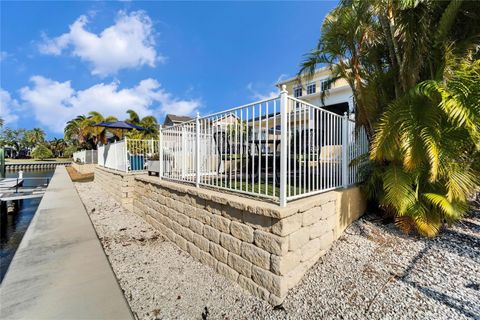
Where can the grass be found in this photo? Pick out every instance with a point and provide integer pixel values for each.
(257, 187)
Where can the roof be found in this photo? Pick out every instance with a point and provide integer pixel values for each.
(279, 83)
(175, 118)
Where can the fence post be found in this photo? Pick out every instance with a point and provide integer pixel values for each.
(283, 145)
(126, 155)
(115, 154)
(197, 150)
(160, 153)
(345, 150)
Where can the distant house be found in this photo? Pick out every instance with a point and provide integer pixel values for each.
(171, 120)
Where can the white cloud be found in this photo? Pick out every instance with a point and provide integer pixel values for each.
(4, 55)
(8, 107)
(261, 94)
(129, 43)
(53, 103)
(256, 94)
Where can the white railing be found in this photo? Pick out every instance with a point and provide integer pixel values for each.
(281, 148)
(113, 156)
(130, 155)
(85, 156)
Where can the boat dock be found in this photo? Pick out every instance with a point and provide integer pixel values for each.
(12, 189)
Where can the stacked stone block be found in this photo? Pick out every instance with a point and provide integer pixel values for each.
(120, 185)
(264, 248)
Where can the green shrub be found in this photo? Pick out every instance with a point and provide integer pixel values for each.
(41, 152)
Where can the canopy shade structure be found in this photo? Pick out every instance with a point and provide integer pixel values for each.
(120, 125)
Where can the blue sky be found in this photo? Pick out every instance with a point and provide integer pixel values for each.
(60, 59)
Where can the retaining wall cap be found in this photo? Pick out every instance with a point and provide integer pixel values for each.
(244, 203)
(116, 172)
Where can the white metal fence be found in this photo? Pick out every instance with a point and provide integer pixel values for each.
(85, 156)
(130, 155)
(281, 148)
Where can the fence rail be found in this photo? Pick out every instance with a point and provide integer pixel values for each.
(85, 156)
(281, 148)
(129, 155)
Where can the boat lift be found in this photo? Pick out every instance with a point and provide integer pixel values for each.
(12, 190)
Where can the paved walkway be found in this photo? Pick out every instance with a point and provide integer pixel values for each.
(60, 270)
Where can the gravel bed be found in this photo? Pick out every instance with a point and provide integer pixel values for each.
(371, 272)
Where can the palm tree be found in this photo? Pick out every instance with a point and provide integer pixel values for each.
(57, 146)
(77, 130)
(151, 125)
(34, 137)
(98, 134)
(133, 117)
(148, 122)
(413, 69)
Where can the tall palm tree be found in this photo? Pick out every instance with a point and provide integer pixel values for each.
(151, 125)
(148, 122)
(133, 117)
(413, 70)
(98, 134)
(77, 130)
(35, 136)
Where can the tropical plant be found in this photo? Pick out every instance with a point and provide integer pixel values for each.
(148, 122)
(41, 152)
(77, 130)
(57, 146)
(69, 151)
(34, 136)
(133, 117)
(98, 134)
(14, 138)
(413, 70)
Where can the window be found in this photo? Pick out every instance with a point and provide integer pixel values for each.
(326, 85)
(297, 92)
(311, 88)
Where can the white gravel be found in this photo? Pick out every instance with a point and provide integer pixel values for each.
(371, 272)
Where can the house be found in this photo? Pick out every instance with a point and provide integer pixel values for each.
(171, 120)
(338, 99)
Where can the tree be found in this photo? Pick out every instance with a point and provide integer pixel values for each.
(41, 152)
(76, 130)
(69, 151)
(133, 117)
(34, 137)
(57, 146)
(413, 70)
(14, 138)
(98, 134)
(151, 127)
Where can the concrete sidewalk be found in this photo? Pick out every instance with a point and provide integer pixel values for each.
(60, 270)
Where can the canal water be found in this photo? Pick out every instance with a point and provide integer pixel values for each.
(13, 226)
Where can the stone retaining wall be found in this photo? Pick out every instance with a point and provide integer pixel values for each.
(264, 248)
(84, 168)
(119, 184)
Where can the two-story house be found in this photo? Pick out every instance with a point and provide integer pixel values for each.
(338, 98)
